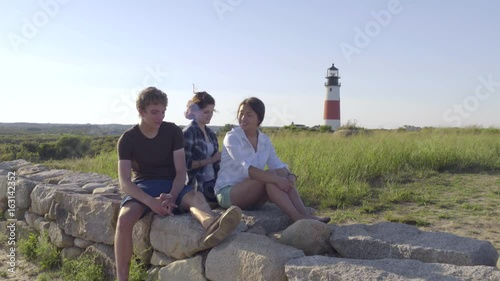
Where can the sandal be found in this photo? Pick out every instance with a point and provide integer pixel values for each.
(222, 226)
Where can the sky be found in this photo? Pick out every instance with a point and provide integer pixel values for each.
(401, 62)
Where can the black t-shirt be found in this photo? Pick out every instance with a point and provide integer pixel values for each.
(151, 158)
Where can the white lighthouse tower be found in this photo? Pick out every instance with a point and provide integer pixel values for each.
(332, 101)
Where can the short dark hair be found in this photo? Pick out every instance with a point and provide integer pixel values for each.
(199, 101)
(257, 105)
(150, 95)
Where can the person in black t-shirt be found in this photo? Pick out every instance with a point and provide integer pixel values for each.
(152, 172)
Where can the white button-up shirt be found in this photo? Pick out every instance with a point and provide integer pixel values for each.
(238, 155)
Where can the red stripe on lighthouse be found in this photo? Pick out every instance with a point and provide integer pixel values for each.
(332, 109)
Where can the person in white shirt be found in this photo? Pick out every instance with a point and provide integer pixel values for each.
(242, 180)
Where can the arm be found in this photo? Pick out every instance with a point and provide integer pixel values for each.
(188, 149)
(271, 176)
(189, 144)
(180, 173)
(243, 157)
(200, 163)
(277, 166)
(284, 172)
(130, 188)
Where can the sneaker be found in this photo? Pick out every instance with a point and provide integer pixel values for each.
(222, 227)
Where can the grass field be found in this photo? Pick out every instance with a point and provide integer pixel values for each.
(339, 172)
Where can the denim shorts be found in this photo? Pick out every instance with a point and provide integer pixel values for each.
(154, 188)
(224, 196)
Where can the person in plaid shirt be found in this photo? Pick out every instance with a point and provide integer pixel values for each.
(201, 146)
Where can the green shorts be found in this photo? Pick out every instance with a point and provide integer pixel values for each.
(224, 196)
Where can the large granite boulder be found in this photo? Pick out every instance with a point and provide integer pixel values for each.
(401, 241)
(91, 217)
(92, 186)
(82, 179)
(314, 268)
(30, 218)
(248, 256)
(31, 169)
(269, 217)
(14, 165)
(177, 236)
(47, 176)
(43, 195)
(105, 255)
(58, 237)
(184, 270)
(24, 187)
(4, 179)
(310, 236)
(184, 235)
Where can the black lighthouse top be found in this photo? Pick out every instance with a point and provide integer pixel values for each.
(332, 76)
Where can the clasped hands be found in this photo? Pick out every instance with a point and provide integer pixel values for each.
(287, 182)
(164, 205)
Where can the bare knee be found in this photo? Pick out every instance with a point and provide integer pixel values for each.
(126, 222)
(192, 199)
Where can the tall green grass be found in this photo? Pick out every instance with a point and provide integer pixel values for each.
(337, 172)
(105, 163)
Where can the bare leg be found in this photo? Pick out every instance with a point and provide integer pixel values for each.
(195, 202)
(129, 215)
(294, 196)
(282, 200)
(299, 205)
(248, 193)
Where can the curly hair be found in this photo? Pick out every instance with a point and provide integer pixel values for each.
(150, 95)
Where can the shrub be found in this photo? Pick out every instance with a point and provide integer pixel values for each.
(85, 268)
(29, 247)
(38, 248)
(137, 270)
(47, 254)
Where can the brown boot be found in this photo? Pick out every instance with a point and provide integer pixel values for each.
(222, 227)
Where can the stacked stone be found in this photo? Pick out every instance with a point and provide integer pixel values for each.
(78, 211)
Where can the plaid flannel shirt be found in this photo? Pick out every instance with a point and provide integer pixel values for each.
(196, 149)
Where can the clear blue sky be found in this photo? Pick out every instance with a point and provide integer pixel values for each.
(422, 63)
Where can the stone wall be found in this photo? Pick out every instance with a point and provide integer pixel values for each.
(79, 212)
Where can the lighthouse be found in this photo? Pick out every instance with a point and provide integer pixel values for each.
(332, 101)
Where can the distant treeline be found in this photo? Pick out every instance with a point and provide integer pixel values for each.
(36, 148)
(67, 129)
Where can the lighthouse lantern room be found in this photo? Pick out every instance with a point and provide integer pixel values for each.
(332, 101)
